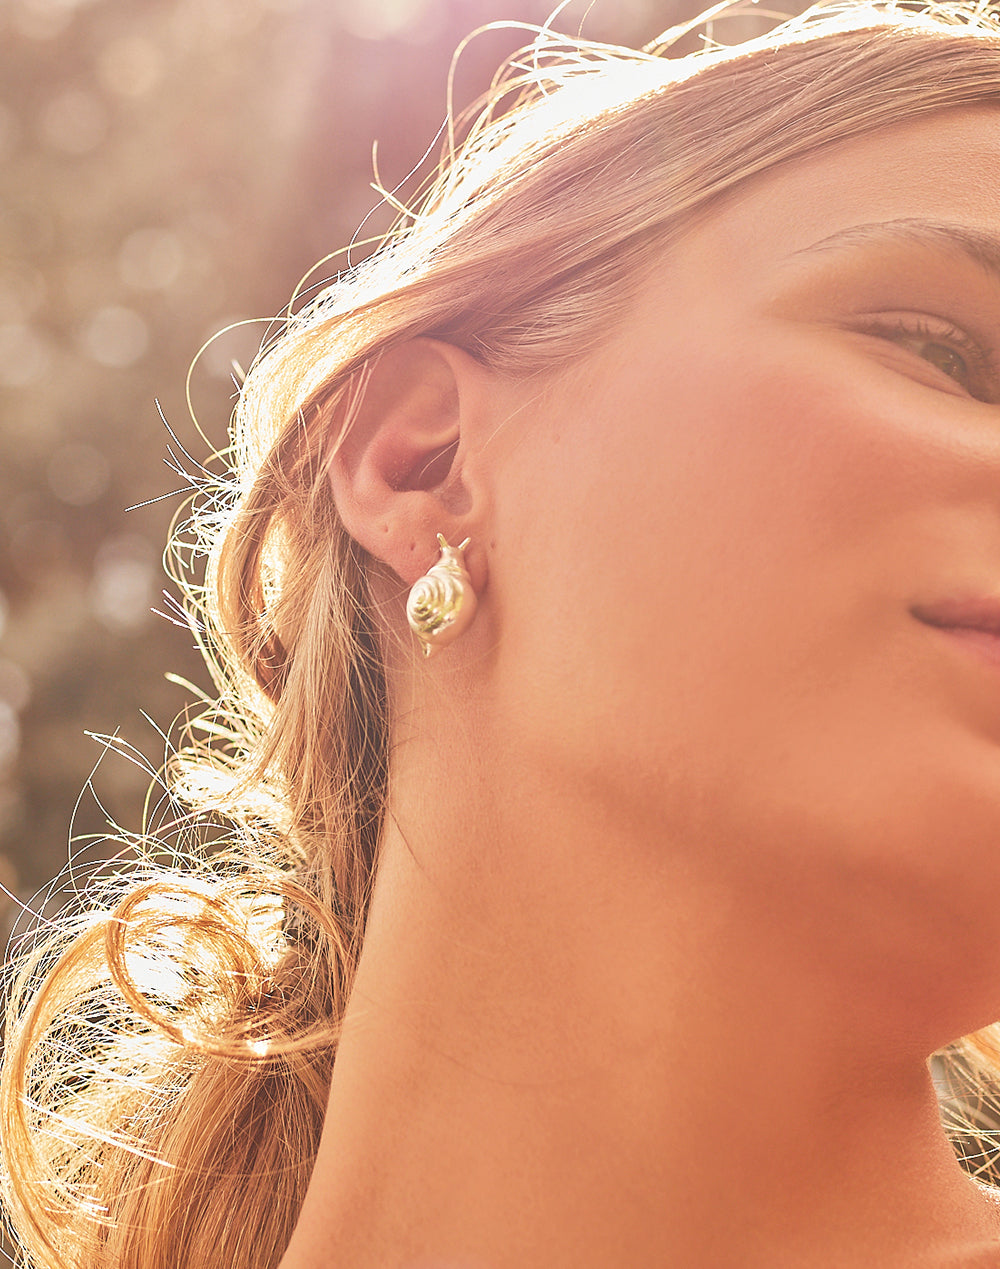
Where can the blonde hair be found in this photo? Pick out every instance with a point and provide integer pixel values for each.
(170, 1044)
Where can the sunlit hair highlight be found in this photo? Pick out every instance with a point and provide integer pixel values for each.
(170, 1044)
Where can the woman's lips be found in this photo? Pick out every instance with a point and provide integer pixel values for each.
(975, 621)
(981, 614)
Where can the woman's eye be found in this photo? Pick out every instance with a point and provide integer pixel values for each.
(944, 346)
(946, 359)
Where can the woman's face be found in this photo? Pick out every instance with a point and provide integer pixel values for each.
(736, 549)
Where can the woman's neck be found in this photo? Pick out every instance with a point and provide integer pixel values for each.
(543, 1067)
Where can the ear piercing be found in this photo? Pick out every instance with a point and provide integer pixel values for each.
(442, 603)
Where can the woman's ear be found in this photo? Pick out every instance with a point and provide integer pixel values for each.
(399, 472)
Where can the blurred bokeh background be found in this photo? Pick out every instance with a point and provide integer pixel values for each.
(169, 167)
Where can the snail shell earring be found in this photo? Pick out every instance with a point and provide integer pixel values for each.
(442, 602)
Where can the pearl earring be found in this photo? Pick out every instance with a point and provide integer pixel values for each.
(442, 602)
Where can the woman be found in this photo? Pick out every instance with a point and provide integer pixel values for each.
(635, 911)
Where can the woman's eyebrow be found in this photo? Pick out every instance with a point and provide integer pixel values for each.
(977, 245)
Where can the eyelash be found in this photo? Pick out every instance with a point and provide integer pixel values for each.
(981, 363)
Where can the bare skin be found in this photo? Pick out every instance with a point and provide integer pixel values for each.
(693, 850)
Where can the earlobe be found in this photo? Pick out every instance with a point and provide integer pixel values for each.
(397, 472)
